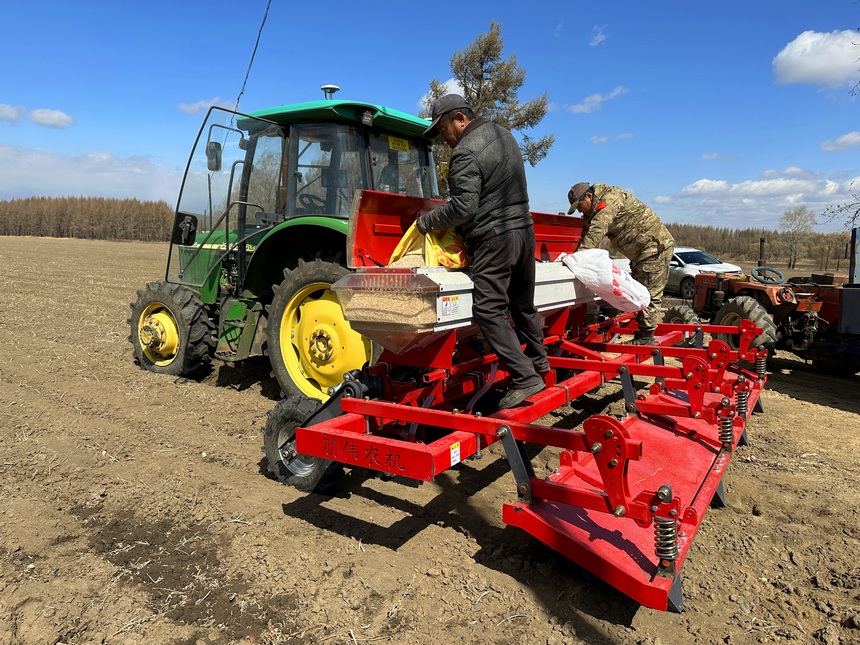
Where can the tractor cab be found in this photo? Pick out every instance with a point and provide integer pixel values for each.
(248, 174)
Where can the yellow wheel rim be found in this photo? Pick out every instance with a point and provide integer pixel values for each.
(158, 334)
(318, 346)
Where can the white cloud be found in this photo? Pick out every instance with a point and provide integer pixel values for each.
(598, 36)
(841, 174)
(710, 156)
(801, 173)
(845, 142)
(596, 101)
(753, 188)
(705, 187)
(754, 203)
(205, 104)
(792, 171)
(451, 86)
(41, 116)
(11, 113)
(27, 172)
(815, 58)
(52, 118)
(600, 138)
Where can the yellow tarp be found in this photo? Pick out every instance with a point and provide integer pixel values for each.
(439, 248)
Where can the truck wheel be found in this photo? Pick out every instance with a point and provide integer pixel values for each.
(687, 288)
(742, 307)
(171, 332)
(310, 344)
(682, 315)
(309, 474)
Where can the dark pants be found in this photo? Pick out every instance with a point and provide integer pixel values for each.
(503, 270)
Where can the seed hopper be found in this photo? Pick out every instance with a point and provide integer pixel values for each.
(630, 490)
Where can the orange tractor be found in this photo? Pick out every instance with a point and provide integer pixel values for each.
(808, 316)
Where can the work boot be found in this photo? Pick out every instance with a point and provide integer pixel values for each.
(517, 395)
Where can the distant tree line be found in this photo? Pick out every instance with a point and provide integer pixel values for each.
(87, 217)
(827, 251)
(131, 219)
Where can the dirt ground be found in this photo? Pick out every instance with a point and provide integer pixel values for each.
(134, 507)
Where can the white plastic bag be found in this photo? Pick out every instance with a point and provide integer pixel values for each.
(594, 268)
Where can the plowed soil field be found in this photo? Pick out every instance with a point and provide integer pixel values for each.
(135, 508)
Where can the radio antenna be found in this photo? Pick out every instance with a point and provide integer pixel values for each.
(254, 53)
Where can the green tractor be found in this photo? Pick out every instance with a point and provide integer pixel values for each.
(259, 236)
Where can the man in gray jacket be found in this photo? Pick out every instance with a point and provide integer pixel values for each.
(489, 207)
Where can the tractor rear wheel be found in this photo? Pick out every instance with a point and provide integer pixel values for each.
(682, 315)
(171, 332)
(310, 344)
(735, 310)
(306, 473)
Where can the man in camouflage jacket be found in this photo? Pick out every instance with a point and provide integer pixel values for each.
(637, 232)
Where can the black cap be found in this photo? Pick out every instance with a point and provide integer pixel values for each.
(576, 193)
(442, 106)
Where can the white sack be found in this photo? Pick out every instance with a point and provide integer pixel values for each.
(594, 268)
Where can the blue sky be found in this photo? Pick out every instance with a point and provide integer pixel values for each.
(717, 113)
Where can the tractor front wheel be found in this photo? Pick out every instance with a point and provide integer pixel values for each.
(306, 473)
(735, 310)
(171, 332)
(310, 343)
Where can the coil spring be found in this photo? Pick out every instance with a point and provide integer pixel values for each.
(742, 401)
(761, 365)
(666, 538)
(727, 429)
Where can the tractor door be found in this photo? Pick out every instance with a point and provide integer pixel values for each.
(330, 165)
(232, 193)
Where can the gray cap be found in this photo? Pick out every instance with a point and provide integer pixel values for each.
(576, 193)
(442, 106)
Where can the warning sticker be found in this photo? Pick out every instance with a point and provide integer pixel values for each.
(401, 145)
(455, 453)
(450, 305)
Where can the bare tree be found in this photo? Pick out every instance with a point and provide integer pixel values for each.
(490, 85)
(797, 225)
(847, 212)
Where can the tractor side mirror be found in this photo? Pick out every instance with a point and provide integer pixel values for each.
(184, 229)
(213, 156)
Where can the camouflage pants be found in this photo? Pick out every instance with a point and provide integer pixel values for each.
(652, 272)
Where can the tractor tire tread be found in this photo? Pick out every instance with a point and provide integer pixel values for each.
(750, 308)
(194, 325)
(316, 475)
